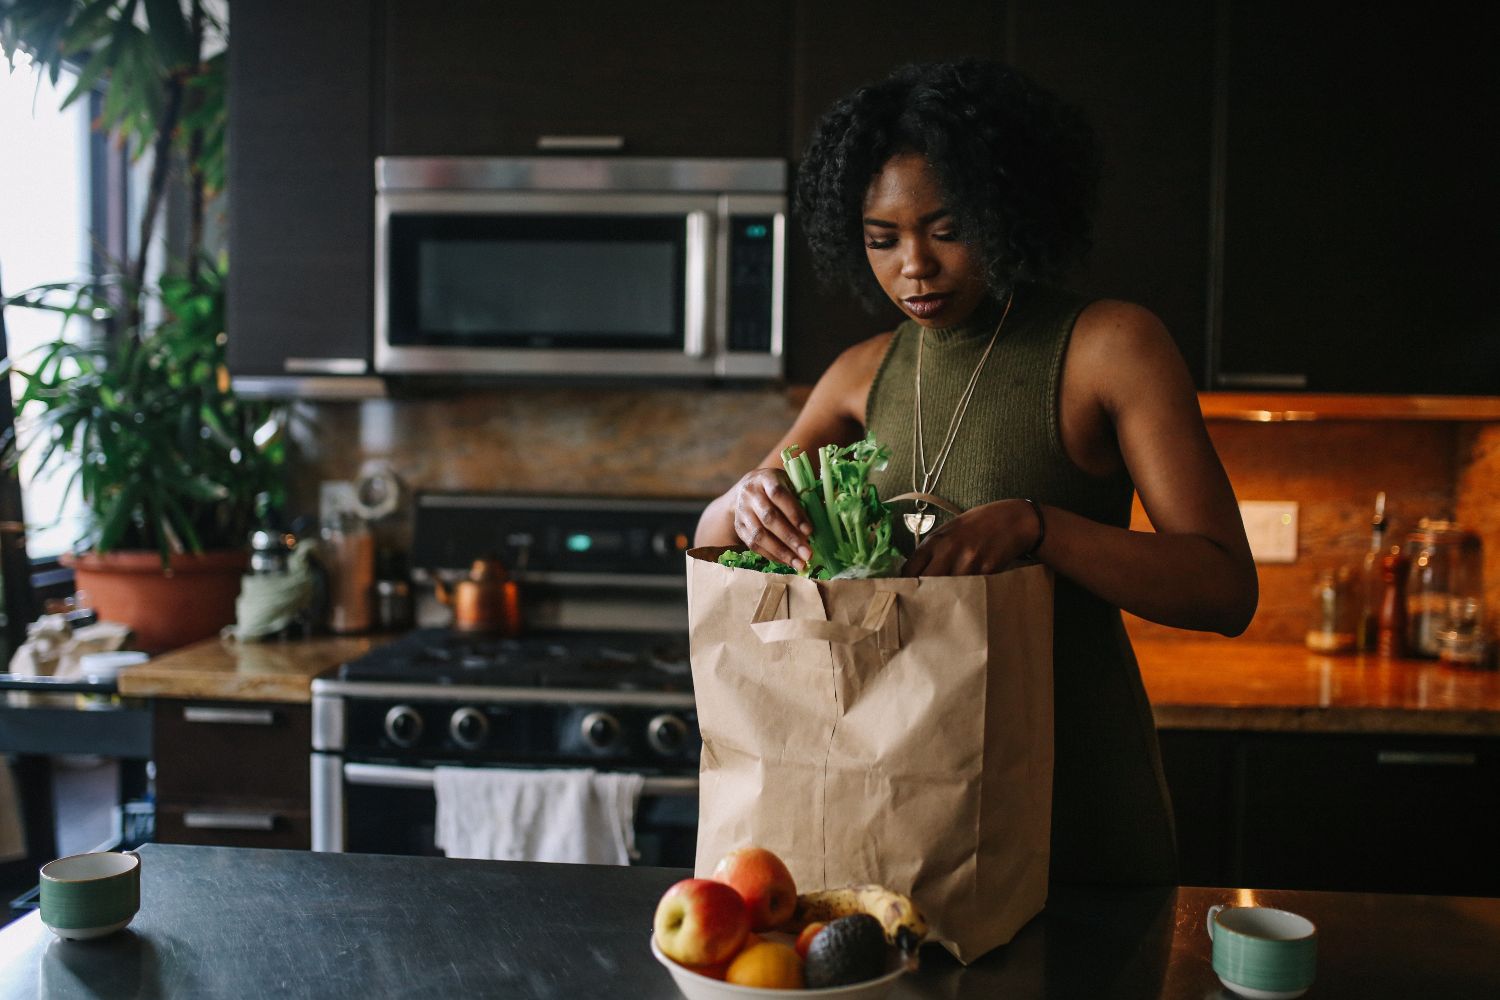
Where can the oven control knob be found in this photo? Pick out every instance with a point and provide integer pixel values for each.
(469, 727)
(600, 730)
(403, 725)
(666, 734)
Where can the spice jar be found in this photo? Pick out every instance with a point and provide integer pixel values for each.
(1333, 625)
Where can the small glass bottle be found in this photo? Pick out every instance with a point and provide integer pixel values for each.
(350, 548)
(1371, 581)
(1332, 627)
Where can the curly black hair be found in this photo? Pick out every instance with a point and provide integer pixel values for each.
(1019, 169)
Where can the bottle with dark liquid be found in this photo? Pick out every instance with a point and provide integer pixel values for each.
(1390, 632)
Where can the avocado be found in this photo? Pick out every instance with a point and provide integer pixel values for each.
(849, 950)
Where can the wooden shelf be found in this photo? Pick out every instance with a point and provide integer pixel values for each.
(1260, 407)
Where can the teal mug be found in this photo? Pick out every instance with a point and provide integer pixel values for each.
(1261, 953)
(90, 895)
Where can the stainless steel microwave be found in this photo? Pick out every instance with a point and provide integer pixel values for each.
(581, 266)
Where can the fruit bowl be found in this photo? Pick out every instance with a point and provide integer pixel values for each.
(699, 987)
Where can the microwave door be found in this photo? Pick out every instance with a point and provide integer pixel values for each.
(557, 285)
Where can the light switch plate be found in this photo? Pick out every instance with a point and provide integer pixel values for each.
(1271, 526)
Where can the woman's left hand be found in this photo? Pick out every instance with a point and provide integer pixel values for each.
(983, 540)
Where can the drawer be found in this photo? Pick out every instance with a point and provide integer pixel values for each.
(240, 750)
(238, 825)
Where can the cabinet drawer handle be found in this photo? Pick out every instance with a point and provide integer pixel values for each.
(230, 716)
(229, 821)
(325, 366)
(1426, 758)
(1258, 380)
(580, 143)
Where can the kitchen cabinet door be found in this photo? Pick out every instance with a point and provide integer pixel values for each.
(1369, 814)
(1142, 75)
(680, 78)
(235, 774)
(1199, 768)
(301, 179)
(1359, 220)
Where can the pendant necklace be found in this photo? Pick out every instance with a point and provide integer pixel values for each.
(920, 521)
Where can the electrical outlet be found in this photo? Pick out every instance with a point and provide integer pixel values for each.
(1271, 526)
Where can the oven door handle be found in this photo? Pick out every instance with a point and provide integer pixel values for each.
(393, 776)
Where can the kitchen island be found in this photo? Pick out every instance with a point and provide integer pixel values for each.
(226, 922)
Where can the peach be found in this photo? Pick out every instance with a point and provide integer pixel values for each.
(769, 964)
(700, 922)
(764, 882)
(804, 940)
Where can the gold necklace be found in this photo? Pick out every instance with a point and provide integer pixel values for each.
(920, 522)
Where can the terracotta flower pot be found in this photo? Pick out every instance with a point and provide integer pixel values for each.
(165, 609)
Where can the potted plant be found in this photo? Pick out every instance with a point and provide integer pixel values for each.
(173, 467)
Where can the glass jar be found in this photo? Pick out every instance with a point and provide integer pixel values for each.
(1334, 622)
(1445, 585)
(349, 546)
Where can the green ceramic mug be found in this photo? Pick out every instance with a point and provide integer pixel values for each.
(1262, 953)
(90, 895)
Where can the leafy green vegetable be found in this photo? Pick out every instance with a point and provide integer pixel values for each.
(852, 529)
(752, 560)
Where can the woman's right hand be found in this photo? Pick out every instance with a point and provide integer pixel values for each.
(769, 519)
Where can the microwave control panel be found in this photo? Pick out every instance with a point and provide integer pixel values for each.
(752, 259)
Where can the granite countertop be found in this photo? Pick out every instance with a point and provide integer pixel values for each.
(233, 922)
(226, 670)
(1208, 683)
(1281, 687)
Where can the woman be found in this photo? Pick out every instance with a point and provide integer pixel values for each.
(955, 190)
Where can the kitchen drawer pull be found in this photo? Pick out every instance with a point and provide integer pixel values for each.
(581, 143)
(230, 716)
(1423, 758)
(325, 366)
(229, 821)
(1259, 380)
(391, 776)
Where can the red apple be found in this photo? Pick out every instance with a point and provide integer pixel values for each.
(700, 922)
(764, 882)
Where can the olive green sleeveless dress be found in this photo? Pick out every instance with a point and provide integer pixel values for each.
(1111, 819)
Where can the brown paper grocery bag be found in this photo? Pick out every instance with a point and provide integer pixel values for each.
(896, 731)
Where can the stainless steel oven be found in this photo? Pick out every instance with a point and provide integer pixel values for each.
(618, 267)
(599, 678)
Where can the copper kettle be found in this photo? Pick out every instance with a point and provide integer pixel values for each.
(488, 600)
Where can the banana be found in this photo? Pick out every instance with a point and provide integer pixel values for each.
(899, 917)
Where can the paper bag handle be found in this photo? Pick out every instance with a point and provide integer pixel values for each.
(880, 620)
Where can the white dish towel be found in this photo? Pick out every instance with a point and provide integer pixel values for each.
(504, 814)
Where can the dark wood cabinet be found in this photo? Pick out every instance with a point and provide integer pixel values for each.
(676, 78)
(1359, 217)
(301, 181)
(1336, 812)
(234, 774)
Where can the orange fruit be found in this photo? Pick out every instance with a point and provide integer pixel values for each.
(769, 964)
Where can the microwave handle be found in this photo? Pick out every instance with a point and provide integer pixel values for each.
(699, 279)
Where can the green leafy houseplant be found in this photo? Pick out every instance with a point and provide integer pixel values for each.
(168, 459)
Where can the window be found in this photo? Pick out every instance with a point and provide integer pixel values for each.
(48, 214)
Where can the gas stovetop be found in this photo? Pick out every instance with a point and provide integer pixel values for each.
(596, 661)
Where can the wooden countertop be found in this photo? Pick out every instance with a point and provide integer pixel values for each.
(1208, 683)
(1281, 687)
(225, 670)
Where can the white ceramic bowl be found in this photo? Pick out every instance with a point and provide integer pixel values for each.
(696, 987)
